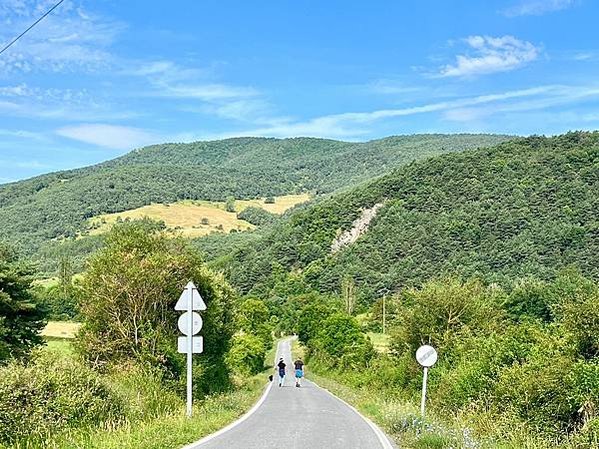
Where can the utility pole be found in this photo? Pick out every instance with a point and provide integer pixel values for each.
(384, 315)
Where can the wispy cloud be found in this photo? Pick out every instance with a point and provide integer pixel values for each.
(68, 39)
(491, 55)
(23, 100)
(22, 134)
(355, 124)
(390, 87)
(168, 79)
(109, 136)
(537, 7)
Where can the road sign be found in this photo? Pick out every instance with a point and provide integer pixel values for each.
(191, 291)
(426, 356)
(183, 323)
(197, 344)
(189, 324)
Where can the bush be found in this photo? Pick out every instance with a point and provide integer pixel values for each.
(342, 342)
(257, 216)
(246, 355)
(254, 318)
(129, 294)
(52, 394)
(550, 392)
(441, 311)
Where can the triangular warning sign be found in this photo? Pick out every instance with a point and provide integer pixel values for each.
(190, 293)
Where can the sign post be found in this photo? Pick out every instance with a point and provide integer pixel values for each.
(427, 356)
(190, 323)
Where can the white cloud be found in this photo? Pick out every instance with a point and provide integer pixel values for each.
(551, 98)
(50, 103)
(22, 134)
(109, 136)
(68, 39)
(391, 87)
(207, 92)
(537, 7)
(491, 54)
(355, 124)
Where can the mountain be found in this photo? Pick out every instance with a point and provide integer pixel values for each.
(57, 206)
(525, 207)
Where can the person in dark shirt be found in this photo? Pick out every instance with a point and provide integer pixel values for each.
(281, 366)
(299, 372)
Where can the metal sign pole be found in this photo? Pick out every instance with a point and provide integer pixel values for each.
(423, 401)
(190, 354)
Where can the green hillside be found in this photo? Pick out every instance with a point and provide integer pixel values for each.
(528, 206)
(58, 205)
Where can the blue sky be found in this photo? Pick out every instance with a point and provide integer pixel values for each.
(98, 78)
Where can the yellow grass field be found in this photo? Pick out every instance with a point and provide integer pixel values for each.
(198, 218)
(381, 342)
(61, 329)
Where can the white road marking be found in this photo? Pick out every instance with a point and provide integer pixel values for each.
(253, 410)
(385, 443)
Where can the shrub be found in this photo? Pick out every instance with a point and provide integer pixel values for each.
(254, 318)
(51, 394)
(551, 392)
(442, 310)
(246, 355)
(129, 294)
(342, 342)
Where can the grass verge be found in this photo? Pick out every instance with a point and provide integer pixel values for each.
(169, 431)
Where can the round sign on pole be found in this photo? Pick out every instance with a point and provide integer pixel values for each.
(426, 356)
(183, 323)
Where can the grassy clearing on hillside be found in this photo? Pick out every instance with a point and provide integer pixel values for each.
(198, 218)
(61, 329)
(61, 345)
(281, 204)
(380, 341)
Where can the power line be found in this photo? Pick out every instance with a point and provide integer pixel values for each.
(34, 24)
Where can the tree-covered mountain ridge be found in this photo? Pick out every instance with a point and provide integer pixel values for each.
(525, 207)
(58, 205)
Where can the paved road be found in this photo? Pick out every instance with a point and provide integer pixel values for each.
(303, 418)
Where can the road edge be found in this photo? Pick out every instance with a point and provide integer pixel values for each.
(386, 443)
(250, 412)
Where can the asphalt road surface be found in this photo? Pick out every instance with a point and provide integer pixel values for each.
(303, 418)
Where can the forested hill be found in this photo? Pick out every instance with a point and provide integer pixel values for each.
(57, 205)
(528, 206)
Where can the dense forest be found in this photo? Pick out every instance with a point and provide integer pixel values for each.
(526, 207)
(56, 206)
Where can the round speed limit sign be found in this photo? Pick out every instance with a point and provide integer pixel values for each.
(426, 356)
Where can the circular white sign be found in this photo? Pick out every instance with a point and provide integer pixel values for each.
(184, 323)
(426, 356)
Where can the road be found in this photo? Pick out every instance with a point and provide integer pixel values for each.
(304, 418)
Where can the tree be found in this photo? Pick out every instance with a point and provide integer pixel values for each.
(311, 317)
(246, 355)
(341, 341)
(441, 310)
(230, 204)
(21, 316)
(254, 319)
(269, 200)
(129, 294)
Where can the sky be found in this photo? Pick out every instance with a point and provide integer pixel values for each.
(98, 78)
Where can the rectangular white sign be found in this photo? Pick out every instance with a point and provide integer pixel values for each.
(198, 344)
